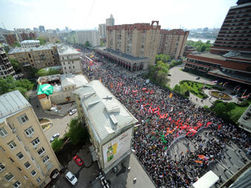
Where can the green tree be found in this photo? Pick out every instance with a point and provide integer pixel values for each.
(44, 72)
(57, 144)
(42, 40)
(87, 44)
(77, 133)
(16, 44)
(10, 84)
(16, 65)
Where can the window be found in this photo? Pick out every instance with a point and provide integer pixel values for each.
(38, 179)
(29, 131)
(27, 164)
(19, 169)
(11, 159)
(3, 132)
(35, 142)
(12, 144)
(45, 159)
(22, 119)
(20, 155)
(41, 151)
(2, 167)
(9, 176)
(33, 172)
(16, 184)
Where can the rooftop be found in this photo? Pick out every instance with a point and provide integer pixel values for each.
(105, 113)
(67, 50)
(124, 55)
(12, 103)
(30, 41)
(208, 55)
(20, 49)
(60, 81)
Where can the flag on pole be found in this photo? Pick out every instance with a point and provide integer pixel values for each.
(171, 95)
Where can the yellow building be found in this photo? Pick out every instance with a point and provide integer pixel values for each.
(37, 57)
(26, 157)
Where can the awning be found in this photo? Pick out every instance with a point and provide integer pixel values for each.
(45, 89)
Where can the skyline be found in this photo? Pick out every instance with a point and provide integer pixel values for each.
(83, 14)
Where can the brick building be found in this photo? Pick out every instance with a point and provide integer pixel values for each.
(230, 56)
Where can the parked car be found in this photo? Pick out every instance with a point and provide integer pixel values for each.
(73, 111)
(71, 178)
(198, 78)
(54, 137)
(78, 160)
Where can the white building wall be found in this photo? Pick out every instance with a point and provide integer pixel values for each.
(71, 64)
(89, 35)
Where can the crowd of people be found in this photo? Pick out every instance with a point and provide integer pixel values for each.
(165, 118)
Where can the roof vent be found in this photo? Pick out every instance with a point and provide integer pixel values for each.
(114, 120)
(93, 103)
(112, 108)
(88, 94)
(108, 97)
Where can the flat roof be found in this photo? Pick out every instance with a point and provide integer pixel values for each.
(124, 55)
(207, 180)
(107, 116)
(12, 103)
(67, 50)
(71, 79)
(29, 41)
(20, 49)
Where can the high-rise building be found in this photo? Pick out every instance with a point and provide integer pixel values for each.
(41, 28)
(6, 68)
(143, 40)
(172, 42)
(102, 31)
(230, 56)
(26, 157)
(110, 21)
(92, 36)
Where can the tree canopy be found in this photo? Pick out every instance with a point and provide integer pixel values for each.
(77, 133)
(44, 72)
(162, 57)
(10, 84)
(42, 40)
(199, 45)
(158, 73)
(16, 65)
(87, 44)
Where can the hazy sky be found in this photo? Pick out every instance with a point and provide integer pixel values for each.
(87, 14)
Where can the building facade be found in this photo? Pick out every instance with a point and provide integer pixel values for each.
(70, 60)
(172, 42)
(102, 30)
(138, 40)
(26, 157)
(230, 56)
(11, 38)
(40, 57)
(6, 68)
(41, 28)
(111, 133)
(92, 36)
(110, 21)
(30, 43)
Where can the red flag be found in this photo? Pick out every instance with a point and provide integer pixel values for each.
(219, 126)
(169, 118)
(197, 161)
(209, 123)
(201, 156)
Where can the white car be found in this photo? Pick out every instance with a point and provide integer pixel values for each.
(54, 137)
(73, 111)
(71, 178)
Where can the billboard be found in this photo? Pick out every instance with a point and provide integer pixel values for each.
(117, 147)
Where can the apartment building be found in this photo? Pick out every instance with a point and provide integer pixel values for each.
(144, 40)
(102, 31)
(11, 38)
(26, 157)
(172, 42)
(70, 60)
(92, 36)
(39, 57)
(6, 68)
(30, 43)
